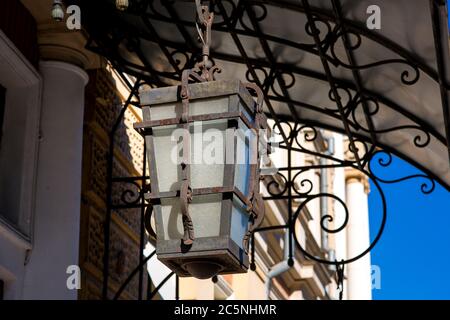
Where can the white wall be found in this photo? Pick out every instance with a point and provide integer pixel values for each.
(359, 272)
(58, 193)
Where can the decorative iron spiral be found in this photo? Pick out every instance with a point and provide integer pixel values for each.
(384, 159)
(329, 218)
(405, 76)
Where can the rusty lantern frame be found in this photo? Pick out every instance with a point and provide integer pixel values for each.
(207, 256)
(222, 250)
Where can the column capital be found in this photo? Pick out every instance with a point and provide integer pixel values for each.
(56, 42)
(68, 67)
(354, 175)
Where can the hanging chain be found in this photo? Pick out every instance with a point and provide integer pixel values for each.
(204, 26)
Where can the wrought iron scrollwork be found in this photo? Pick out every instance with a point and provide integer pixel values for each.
(286, 84)
(384, 159)
(230, 8)
(131, 192)
(421, 140)
(301, 186)
(340, 228)
(277, 79)
(288, 178)
(260, 15)
(277, 185)
(324, 37)
(148, 222)
(339, 33)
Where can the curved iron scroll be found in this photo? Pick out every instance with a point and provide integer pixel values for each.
(291, 183)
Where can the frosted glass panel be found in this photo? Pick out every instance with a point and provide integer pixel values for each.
(208, 147)
(207, 106)
(165, 111)
(243, 139)
(205, 212)
(196, 107)
(239, 221)
(168, 171)
(208, 153)
(242, 173)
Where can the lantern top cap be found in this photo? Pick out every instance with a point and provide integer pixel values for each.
(201, 90)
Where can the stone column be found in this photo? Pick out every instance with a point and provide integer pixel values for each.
(58, 195)
(358, 239)
(339, 188)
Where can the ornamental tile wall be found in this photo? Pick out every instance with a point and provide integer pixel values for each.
(103, 105)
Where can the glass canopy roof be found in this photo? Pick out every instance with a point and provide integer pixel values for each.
(317, 62)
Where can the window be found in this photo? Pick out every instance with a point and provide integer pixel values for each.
(20, 101)
(20, 98)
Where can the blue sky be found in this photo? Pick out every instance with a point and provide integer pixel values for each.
(414, 252)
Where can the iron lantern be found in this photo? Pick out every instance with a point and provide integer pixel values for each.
(204, 209)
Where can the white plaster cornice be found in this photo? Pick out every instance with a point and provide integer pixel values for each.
(68, 67)
(353, 175)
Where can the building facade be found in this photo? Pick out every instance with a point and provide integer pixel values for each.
(59, 102)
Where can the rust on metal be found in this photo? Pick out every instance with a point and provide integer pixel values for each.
(186, 191)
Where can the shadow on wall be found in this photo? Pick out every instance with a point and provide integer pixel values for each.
(103, 107)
